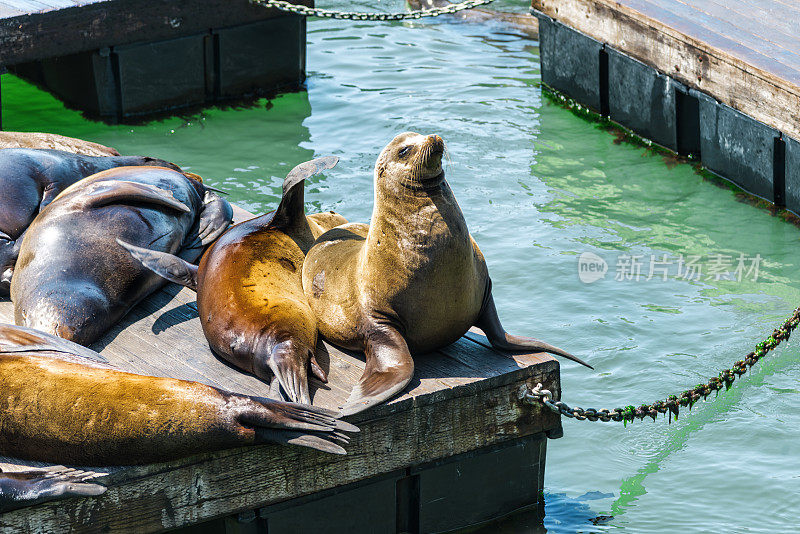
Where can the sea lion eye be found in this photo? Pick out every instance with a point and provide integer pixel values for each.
(404, 151)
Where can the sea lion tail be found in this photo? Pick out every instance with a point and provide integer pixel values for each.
(165, 265)
(291, 209)
(489, 322)
(298, 424)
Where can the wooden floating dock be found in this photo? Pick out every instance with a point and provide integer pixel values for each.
(458, 448)
(718, 80)
(120, 59)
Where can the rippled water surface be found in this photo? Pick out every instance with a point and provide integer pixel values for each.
(539, 187)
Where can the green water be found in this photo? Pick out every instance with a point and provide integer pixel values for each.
(538, 187)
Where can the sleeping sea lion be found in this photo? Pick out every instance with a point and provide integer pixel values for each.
(54, 142)
(523, 22)
(30, 179)
(250, 292)
(73, 280)
(60, 402)
(411, 282)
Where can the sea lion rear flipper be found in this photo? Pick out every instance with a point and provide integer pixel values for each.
(489, 322)
(291, 209)
(389, 369)
(215, 218)
(24, 488)
(297, 424)
(107, 192)
(165, 265)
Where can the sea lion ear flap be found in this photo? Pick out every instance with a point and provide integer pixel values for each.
(291, 208)
(165, 265)
(389, 369)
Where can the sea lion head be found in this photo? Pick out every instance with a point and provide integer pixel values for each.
(412, 160)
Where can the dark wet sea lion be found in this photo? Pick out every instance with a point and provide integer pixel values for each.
(524, 22)
(72, 278)
(60, 402)
(409, 283)
(30, 179)
(250, 292)
(54, 142)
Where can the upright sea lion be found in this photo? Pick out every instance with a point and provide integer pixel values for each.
(250, 292)
(30, 179)
(54, 142)
(72, 278)
(524, 22)
(411, 282)
(60, 402)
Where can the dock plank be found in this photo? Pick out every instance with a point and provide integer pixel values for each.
(463, 397)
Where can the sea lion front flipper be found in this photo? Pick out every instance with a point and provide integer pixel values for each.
(389, 369)
(165, 265)
(215, 218)
(20, 339)
(24, 488)
(9, 252)
(107, 192)
(291, 210)
(489, 322)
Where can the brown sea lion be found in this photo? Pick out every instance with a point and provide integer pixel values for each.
(54, 142)
(250, 292)
(30, 179)
(73, 280)
(411, 282)
(60, 402)
(523, 22)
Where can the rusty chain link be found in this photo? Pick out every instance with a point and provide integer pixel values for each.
(673, 403)
(353, 15)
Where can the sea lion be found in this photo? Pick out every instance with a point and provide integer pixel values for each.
(60, 402)
(55, 142)
(523, 22)
(31, 178)
(73, 280)
(250, 292)
(411, 281)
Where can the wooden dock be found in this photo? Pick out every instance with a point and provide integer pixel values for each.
(119, 59)
(719, 80)
(458, 448)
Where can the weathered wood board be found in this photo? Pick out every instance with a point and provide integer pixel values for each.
(463, 397)
(744, 54)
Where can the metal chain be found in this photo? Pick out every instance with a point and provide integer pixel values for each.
(352, 15)
(673, 403)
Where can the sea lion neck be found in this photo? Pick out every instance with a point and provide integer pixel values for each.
(416, 220)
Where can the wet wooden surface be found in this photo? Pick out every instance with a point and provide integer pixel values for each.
(462, 398)
(746, 54)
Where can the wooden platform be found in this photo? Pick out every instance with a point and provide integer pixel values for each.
(115, 59)
(464, 399)
(716, 81)
(745, 54)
